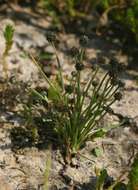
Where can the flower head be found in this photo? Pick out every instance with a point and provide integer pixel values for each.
(79, 66)
(51, 37)
(95, 83)
(69, 89)
(74, 51)
(118, 96)
(84, 40)
(108, 109)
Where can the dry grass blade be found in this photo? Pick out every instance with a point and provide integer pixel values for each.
(47, 170)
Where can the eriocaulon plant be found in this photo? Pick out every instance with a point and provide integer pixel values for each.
(75, 108)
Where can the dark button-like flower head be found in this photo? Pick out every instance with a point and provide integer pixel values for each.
(69, 89)
(74, 51)
(51, 37)
(108, 109)
(118, 96)
(84, 40)
(79, 66)
(95, 83)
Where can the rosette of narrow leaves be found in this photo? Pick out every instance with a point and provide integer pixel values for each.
(77, 108)
(81, 121)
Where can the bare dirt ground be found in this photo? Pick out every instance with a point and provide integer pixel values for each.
(24, 169)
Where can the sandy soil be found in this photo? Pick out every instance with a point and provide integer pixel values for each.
(25, 168)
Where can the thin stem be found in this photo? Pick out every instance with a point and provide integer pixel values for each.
(41, 71)
(85, 157)
(59, 67)
(98, 103)
(95, 93)
(104, 112)
(88, 87)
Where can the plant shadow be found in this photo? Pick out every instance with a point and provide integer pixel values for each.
(40, 136)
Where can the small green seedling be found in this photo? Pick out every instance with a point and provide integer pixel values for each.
(97, 151)
(8, 35)
(133, 175)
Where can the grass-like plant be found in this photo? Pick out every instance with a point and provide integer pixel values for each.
(76, 108)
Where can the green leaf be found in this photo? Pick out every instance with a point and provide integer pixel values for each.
(24, 55)
(97, 152)
(101, 179)
(98, 133)
(46, 56)
(39, 95)
(53, 94)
